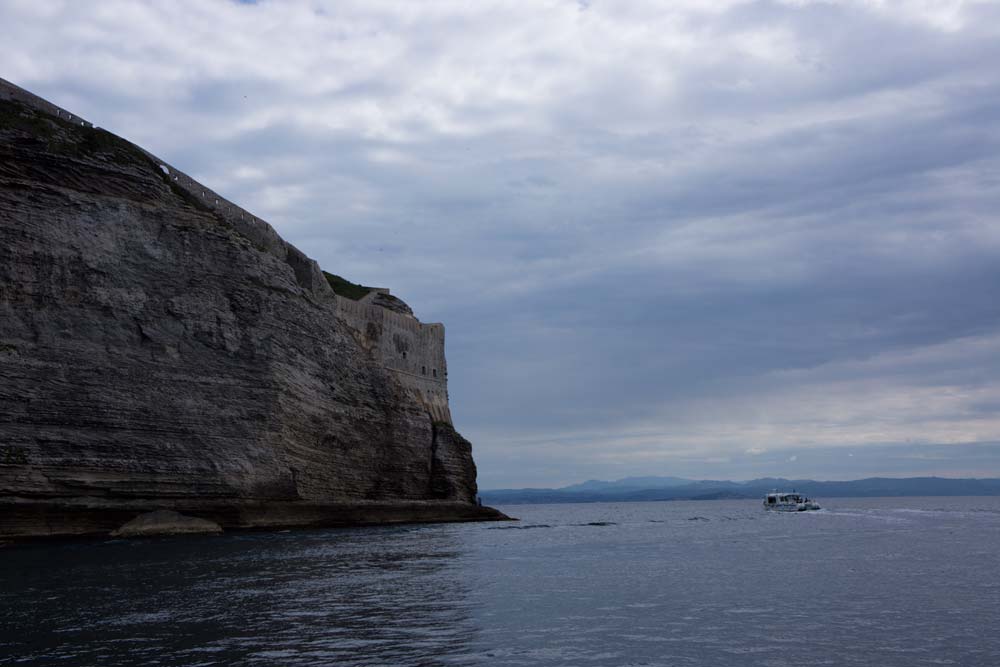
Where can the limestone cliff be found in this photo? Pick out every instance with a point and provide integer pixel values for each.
(161, 348)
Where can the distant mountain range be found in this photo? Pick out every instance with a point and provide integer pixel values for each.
(676, 488)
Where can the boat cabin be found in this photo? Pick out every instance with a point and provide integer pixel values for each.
(784, 498)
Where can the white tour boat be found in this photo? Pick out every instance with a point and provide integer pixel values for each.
(789, 502)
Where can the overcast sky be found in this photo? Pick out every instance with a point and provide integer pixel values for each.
(707, 239)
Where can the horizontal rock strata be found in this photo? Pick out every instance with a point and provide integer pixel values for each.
(159, 353)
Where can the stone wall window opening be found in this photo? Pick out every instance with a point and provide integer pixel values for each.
(423, 370)
(434, 372)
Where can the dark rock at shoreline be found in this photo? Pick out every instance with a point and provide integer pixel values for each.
(165, 522)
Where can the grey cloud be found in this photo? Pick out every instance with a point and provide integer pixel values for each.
(637, 222)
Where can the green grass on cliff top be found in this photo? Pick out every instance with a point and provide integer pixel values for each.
(344, 287)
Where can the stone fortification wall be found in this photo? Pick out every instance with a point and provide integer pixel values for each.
(413, 351)
(10, 91)
(307, 271)
(263, 235)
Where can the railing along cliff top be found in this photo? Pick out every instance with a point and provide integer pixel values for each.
(258, 231)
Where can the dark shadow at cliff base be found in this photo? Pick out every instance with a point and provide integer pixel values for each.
(27, 520)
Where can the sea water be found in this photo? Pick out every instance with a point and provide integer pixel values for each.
(901, 581)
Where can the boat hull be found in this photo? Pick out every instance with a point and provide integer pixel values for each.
(799, 507)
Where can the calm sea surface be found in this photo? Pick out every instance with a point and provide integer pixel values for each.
(901, 581)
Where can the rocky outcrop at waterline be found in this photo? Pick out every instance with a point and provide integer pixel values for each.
(164, 349)
(166, 522)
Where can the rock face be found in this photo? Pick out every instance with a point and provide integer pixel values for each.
(161, 348)
(165, 522)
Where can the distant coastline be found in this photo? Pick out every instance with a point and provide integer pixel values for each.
(638, 489)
